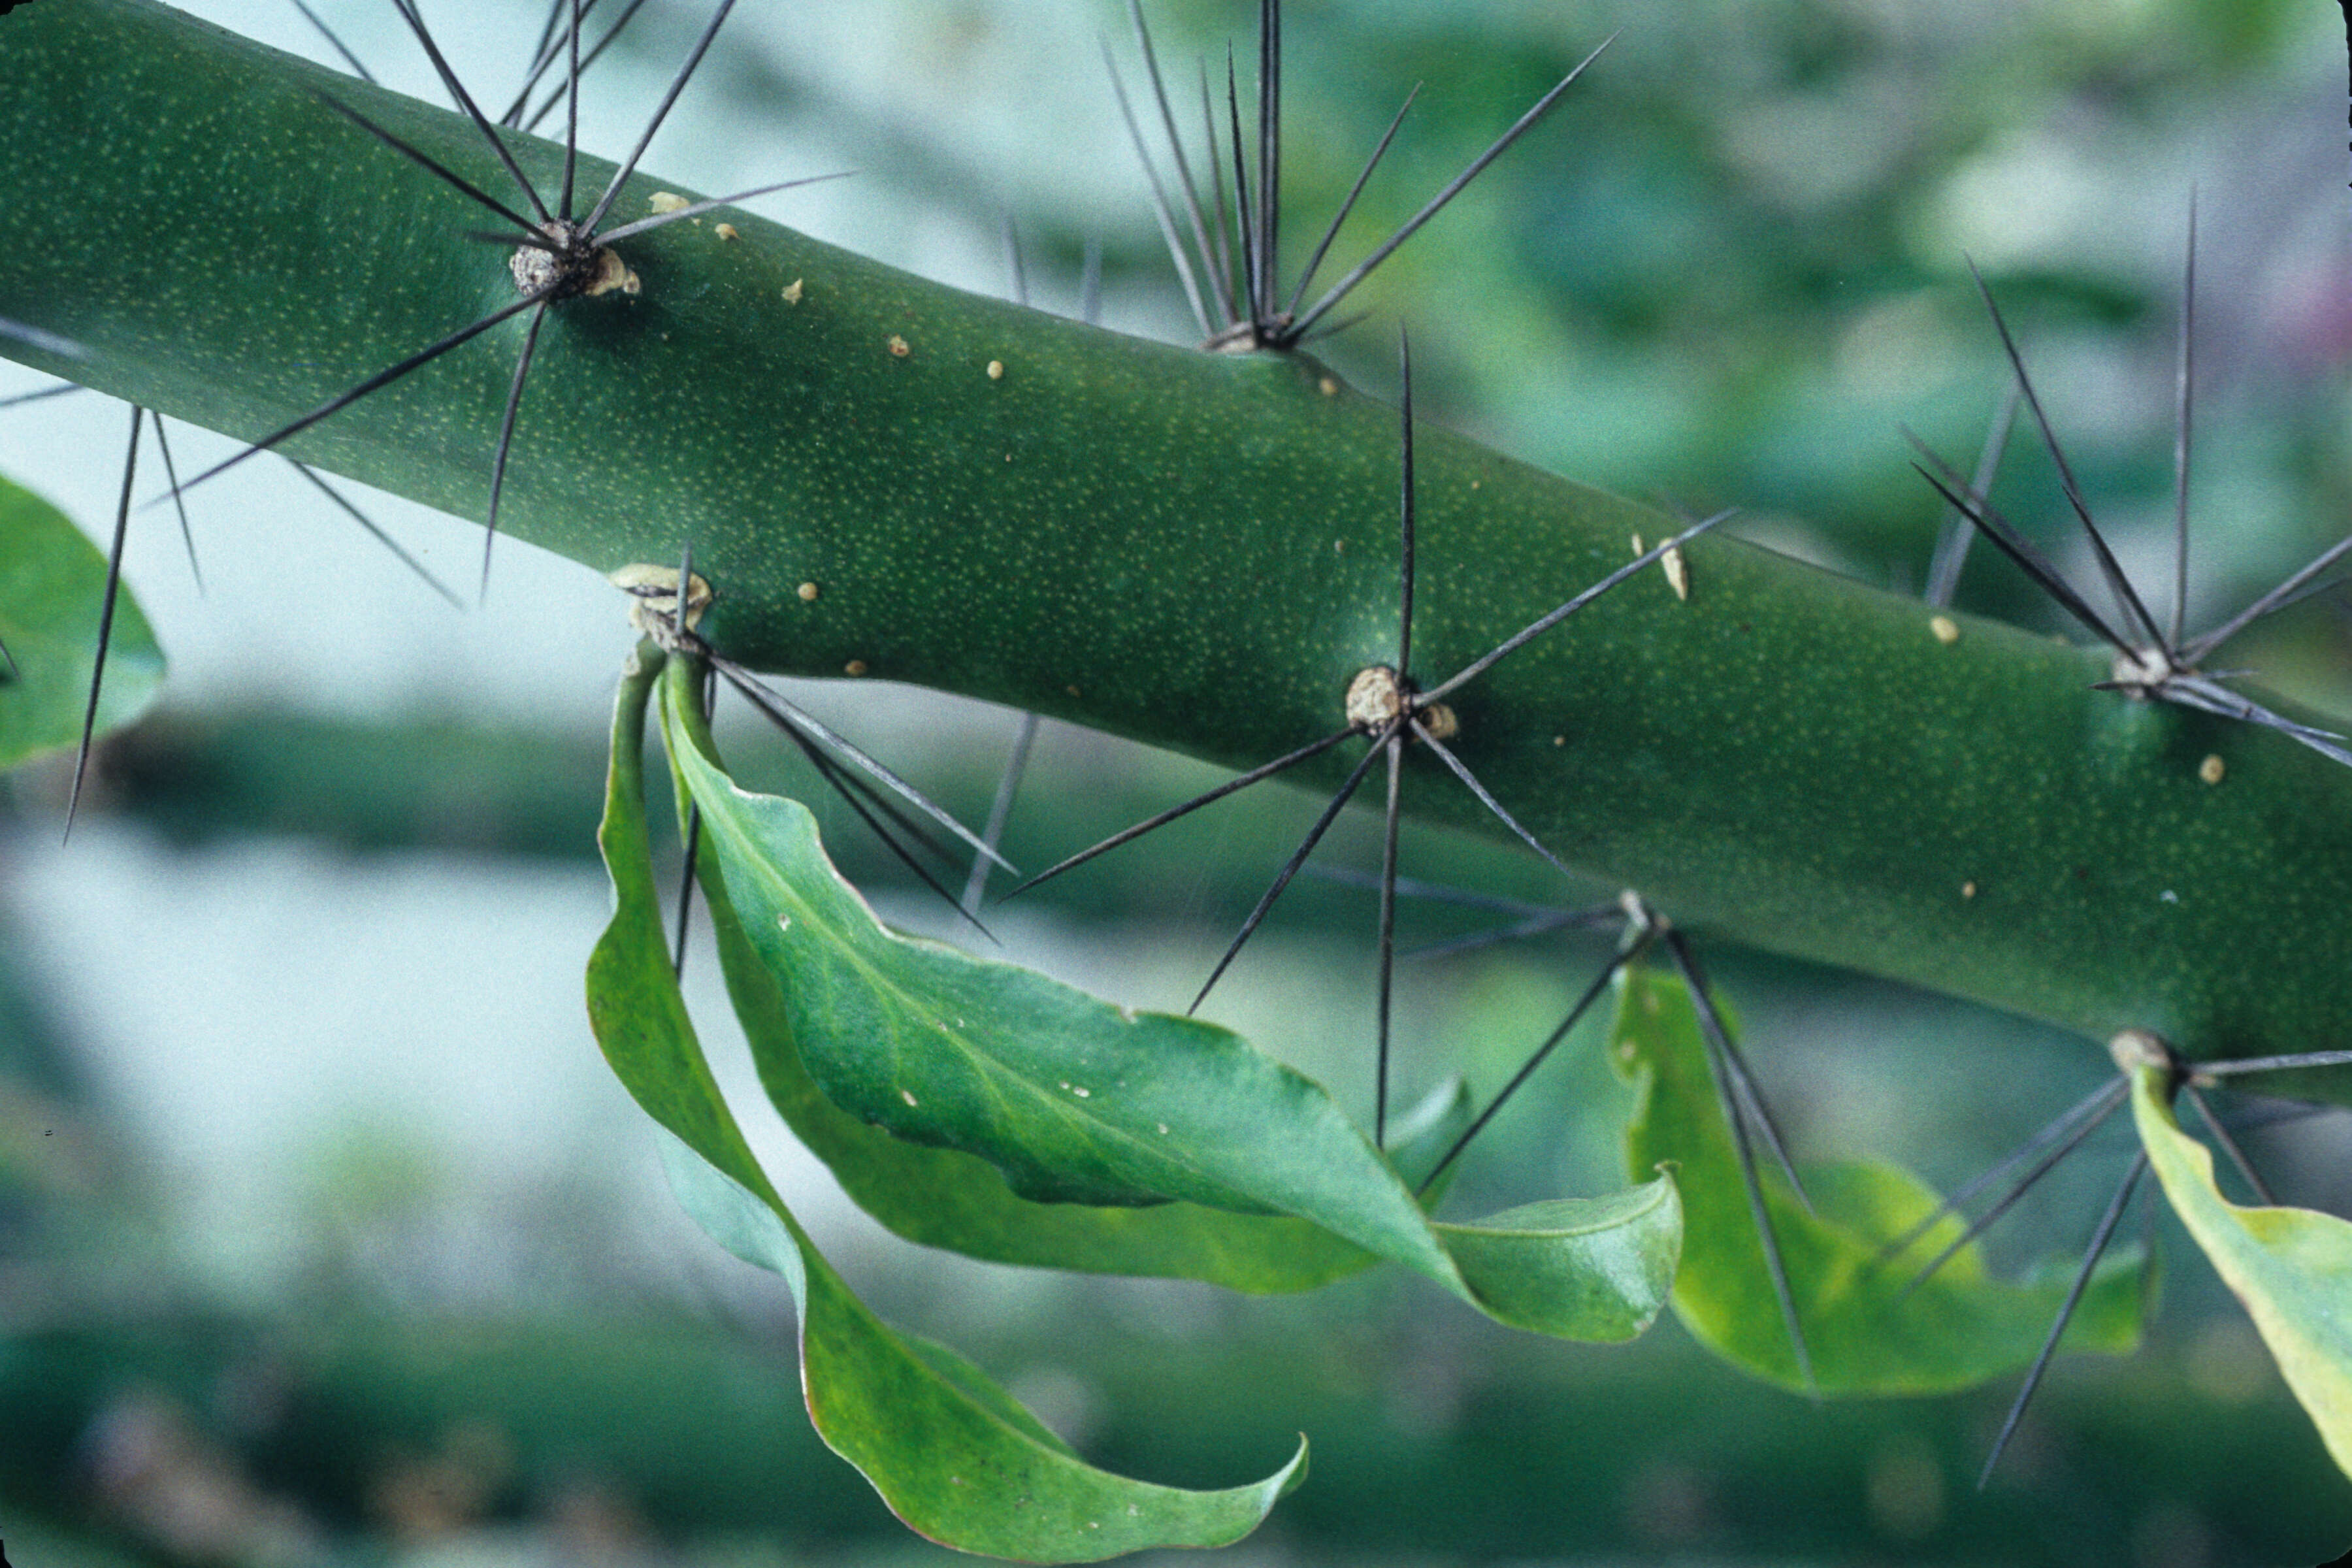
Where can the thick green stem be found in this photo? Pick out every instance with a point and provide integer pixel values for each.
(1195, 550)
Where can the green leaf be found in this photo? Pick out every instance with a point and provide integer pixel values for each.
(951, 1454)
(944, 1199)
(2292, 1267)
(1072, 1098)
(1579, 1268)
(955, 1068)
(940, 1197)
(1865, 1335)
(52, 585)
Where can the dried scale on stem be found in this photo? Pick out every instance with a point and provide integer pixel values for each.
(848, 771)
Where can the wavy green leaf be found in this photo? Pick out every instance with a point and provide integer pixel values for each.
(1072, 1098)
(52, 583)
(1865, 1334)
(945, 1198)
(943, 1069)
(951, 1453)
(2292, 1267)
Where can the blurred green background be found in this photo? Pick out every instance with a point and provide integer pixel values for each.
(324, 1239)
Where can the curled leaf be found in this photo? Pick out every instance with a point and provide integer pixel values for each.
(945, 1198)
(952, 1455)
(1577, 1269)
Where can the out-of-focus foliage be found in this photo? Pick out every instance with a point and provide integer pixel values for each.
(1872, 1324)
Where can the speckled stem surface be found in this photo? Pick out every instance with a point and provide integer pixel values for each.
(1198, 550)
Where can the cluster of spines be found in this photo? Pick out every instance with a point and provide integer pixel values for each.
(2155, 661)
(558, 257)
(1242, 307)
